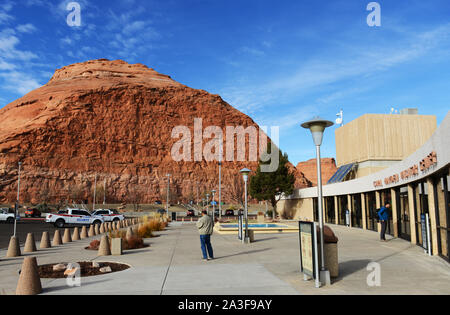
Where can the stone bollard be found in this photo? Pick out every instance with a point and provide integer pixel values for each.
(13, 248)
(102, 228)
(57, 240)
(29, 280)
(103, 249)
(130, 233)
(83, 232)
(116, 246)
(67, 238)
(76, 234)
(45, 241)
(30, 244)
(96, 229)
(91, 231)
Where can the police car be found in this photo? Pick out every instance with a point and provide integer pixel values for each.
(73, 217)
(7, 216)
(109, 215)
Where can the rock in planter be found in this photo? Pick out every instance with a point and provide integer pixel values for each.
(106, 269)
(59, 267)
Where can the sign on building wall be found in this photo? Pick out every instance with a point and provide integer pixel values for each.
(308, 248)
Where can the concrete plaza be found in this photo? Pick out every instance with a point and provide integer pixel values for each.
(172, 265)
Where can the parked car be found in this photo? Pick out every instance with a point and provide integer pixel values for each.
(158, 202)
(229, 212)
(190, 213)
(32, 213)
(5, 216)
(109, 215)
(216, 212)
(73, 217)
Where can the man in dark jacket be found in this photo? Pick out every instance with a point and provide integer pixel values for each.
(383, 214)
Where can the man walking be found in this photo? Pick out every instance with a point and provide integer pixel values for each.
(383, 214)
(205, 227)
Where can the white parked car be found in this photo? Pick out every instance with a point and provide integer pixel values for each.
(5, 216)
(73, 217)
(109, 215)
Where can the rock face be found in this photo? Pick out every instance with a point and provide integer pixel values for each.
(112, 121)
(309, 169)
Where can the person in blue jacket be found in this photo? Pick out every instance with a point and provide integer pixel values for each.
(383, 214)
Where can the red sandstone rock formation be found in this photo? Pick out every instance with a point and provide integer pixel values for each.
(115, 120)
(309, 169)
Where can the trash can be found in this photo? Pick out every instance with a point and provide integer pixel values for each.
(251, 236)
(330, 251)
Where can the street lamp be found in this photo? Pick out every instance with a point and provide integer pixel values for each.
(317, 127)
(245, 172)
(17, 203)
(214, 208)
(207, 202)
(168, 190)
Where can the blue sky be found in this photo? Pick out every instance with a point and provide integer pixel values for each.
(280, 62)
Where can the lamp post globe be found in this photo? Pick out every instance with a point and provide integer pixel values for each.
(245, 172)
(317, 127)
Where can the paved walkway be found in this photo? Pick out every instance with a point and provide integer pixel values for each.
(173, 265)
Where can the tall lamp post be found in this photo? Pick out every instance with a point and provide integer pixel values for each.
(17, 203)
(214, 208)
(245, 172)
(168, 190)
(207, 202)
(317, 127)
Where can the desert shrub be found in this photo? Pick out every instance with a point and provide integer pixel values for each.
(134, 242)
(145, 231)
(95, 244)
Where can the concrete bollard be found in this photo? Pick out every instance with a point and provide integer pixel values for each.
(76, 234)
(13, 248)
(116, 246)
(130, 233)
(45, 241)
(83, 232)
(91, 231)
(57, 240)
(103, 249)
(102, 228)
(29, 280)
(67, 238)
(30, 244)
(96, 229)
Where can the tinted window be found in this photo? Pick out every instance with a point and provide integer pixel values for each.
(85, 213)
(100, 212)
(62, 212)
(76, 212)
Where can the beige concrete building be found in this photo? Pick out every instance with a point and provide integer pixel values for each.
(415, 186)
(374, 142)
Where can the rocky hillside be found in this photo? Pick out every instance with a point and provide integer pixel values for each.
(111, 120)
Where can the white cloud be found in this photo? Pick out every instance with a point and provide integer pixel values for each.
(19, 82)
(26, 28)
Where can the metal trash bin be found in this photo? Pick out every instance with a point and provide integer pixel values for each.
(330, 251)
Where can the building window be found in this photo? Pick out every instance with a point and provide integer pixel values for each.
(371, 211)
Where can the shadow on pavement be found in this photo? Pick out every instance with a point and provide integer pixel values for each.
(243, 253)
(65, 287)
(349, 267)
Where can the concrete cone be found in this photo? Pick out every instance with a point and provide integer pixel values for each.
(102, 228)
(30, 244)
(83, 232)
(76, 234)
(45, 241)
(91, 231)
(29, 280)
(67, 238)
(13, 248)
(130, 233)
(57, 240)
(96, 229)
(118, 225)
(103, 249)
